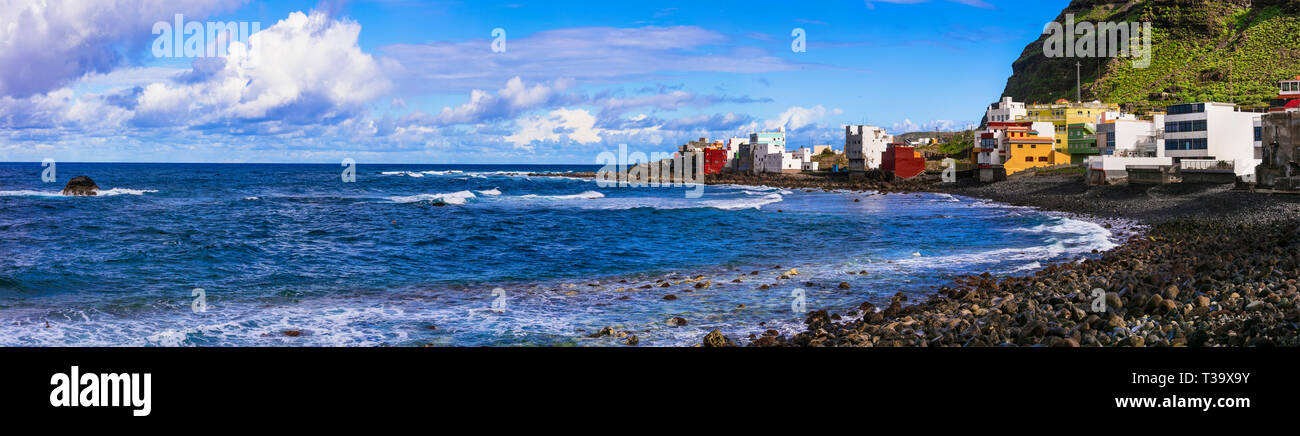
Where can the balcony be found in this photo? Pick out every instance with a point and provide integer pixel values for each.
(1147, 148)
(1207, 165)
(1083, 147)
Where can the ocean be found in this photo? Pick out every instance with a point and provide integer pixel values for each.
(470, 255)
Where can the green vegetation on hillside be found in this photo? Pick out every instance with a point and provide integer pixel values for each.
(960, 142)
(1203, 50)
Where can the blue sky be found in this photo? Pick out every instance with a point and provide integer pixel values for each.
(398, 81)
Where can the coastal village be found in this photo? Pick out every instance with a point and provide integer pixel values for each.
(1218, 265)
(1198, 142)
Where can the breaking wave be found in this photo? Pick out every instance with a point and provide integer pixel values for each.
(459, 197)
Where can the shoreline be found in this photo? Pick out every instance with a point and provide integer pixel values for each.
(1151, 296)
(1211, 267)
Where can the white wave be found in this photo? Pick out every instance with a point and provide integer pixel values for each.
(100, 193)
(491, 192)
(252, 198)
(403, 173)
(946, 197)
(449, 198)
(499, 173)
(1069, 237)
(744, 203)
(1031, 266)
(589, 195)
(124, 191)
(27, 193)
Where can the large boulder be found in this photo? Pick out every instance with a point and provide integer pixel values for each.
(81, 185)
(715, 339)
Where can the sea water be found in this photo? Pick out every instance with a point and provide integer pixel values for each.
(464, 255)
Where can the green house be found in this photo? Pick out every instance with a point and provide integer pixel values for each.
(1083, 142)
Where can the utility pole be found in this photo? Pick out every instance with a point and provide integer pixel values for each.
(1078, 81)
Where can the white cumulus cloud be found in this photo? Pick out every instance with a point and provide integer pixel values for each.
(45, 44)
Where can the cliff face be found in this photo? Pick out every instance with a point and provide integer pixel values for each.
(1202, 50)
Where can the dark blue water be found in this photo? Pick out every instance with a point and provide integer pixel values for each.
(406, 248)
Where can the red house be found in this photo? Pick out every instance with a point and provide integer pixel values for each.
(903, 161)
(714, 160)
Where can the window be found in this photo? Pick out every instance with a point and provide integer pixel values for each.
(1190, 108)
(1187, 144)
(1042, 158)
(1033, 145)
(1186, 126)
(1029, 158)
(1259, 134)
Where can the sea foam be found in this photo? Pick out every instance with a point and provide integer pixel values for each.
(449, 198)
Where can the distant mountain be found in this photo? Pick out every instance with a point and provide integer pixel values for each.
(1202, 50)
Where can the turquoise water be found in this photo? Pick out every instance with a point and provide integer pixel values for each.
(405, 248)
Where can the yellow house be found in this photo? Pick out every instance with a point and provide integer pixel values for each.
(1027, 148)
(1063, 113)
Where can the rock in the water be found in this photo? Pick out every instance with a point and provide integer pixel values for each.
(606, 331)
(676, 321)
(715, 339)
(81, 186)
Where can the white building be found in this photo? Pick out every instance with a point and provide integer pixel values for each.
(753, 154)
(768, 154)
(1005, 111)
(734, 146)
(1204, 136)
(803, 153)
(1124, 142)
(782, 162)
(864, 146)
(1131, 137)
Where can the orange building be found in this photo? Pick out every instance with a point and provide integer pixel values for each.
(1027, 148)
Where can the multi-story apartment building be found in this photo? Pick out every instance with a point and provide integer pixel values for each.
(1004, 111)
(1063, 113)
(864, 146)
(760, 144)
(1029, 148)
(1127, 142)
(1082, 139)
(1007, 148)
(1211, 136)
(733, 152)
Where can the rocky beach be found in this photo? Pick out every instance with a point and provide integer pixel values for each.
(1216, 267)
